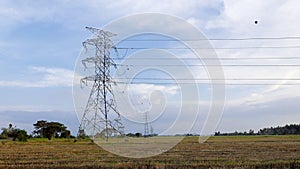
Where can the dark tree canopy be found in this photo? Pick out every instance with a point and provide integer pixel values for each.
(284, 130)
(49, 130)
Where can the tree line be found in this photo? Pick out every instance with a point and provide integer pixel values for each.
(49, 130)
(279, 130)
(42, 129)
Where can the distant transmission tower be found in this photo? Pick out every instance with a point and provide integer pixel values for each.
(101, 117)
(146, 132)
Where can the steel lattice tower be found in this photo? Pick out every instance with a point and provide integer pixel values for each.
(100, 117)
(146, 125)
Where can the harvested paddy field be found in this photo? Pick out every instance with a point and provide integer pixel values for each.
(216, 152)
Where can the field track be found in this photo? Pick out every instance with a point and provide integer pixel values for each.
(217, 152)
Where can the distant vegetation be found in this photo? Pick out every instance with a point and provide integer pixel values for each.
(13, 133)
(140, 135)
(285, 130)
(43, 129)
(49, 130)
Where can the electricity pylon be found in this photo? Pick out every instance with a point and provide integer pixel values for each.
(146, 127)
(101, 116)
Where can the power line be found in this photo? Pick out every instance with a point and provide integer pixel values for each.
(222, 39)
(204, 66)
(170, 83)
(205, 58)
(154, 78)
(181, 48)
(227, 65)
(167, 81)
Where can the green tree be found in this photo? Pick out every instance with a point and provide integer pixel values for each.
(40, 128)
(14, 133)
(49, 130)
(19, 134)
(138, 135)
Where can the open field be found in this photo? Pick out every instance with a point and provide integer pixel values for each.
(217, 152)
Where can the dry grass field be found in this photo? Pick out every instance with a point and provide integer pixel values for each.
(216, 152)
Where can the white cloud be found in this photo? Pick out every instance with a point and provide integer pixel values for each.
(235, 19)
(74, 14)
(165, 6)
(29, 108)
(142, 95)
(193, 21)
(13, 14)
(238, 17)
(50, 77)
(149, 88)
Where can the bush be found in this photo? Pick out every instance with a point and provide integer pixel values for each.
(3, 137)
(22, 135)
(14, 134)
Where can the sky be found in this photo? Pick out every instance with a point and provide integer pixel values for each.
(40, 42)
